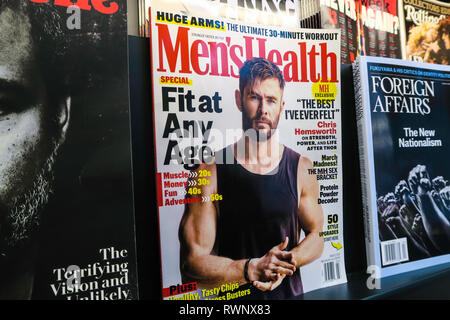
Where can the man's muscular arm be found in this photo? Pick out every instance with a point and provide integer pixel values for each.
(197, 235)
(310, 215)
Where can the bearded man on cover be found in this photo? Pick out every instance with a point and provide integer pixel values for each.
(34, 118)
(252, 236)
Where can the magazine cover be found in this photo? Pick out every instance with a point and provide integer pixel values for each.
(248, 157)
(379, 26)
(342, 15)
(426, 31)
(403, 116)
(66, 210)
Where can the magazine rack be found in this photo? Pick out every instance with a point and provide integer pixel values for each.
(432, 282)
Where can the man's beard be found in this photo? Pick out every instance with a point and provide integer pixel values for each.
(22, 220)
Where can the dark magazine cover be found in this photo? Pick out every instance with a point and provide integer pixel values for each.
(66, 209)
(379, 25)
(412, 138)
(342, 15)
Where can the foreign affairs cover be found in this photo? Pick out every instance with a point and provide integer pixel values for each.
(248, 157)
(402, 116)
(66, 202)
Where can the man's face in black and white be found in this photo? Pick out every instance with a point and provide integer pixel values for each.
(31, 130)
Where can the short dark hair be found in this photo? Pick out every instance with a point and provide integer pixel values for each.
(258, 68)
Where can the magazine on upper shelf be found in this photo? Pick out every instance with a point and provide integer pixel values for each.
(402, 117)
(259, 12)
(66, 202)
(426, 31)
(248, 157)
(379, 28)
(368, 27)
(342, 15)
